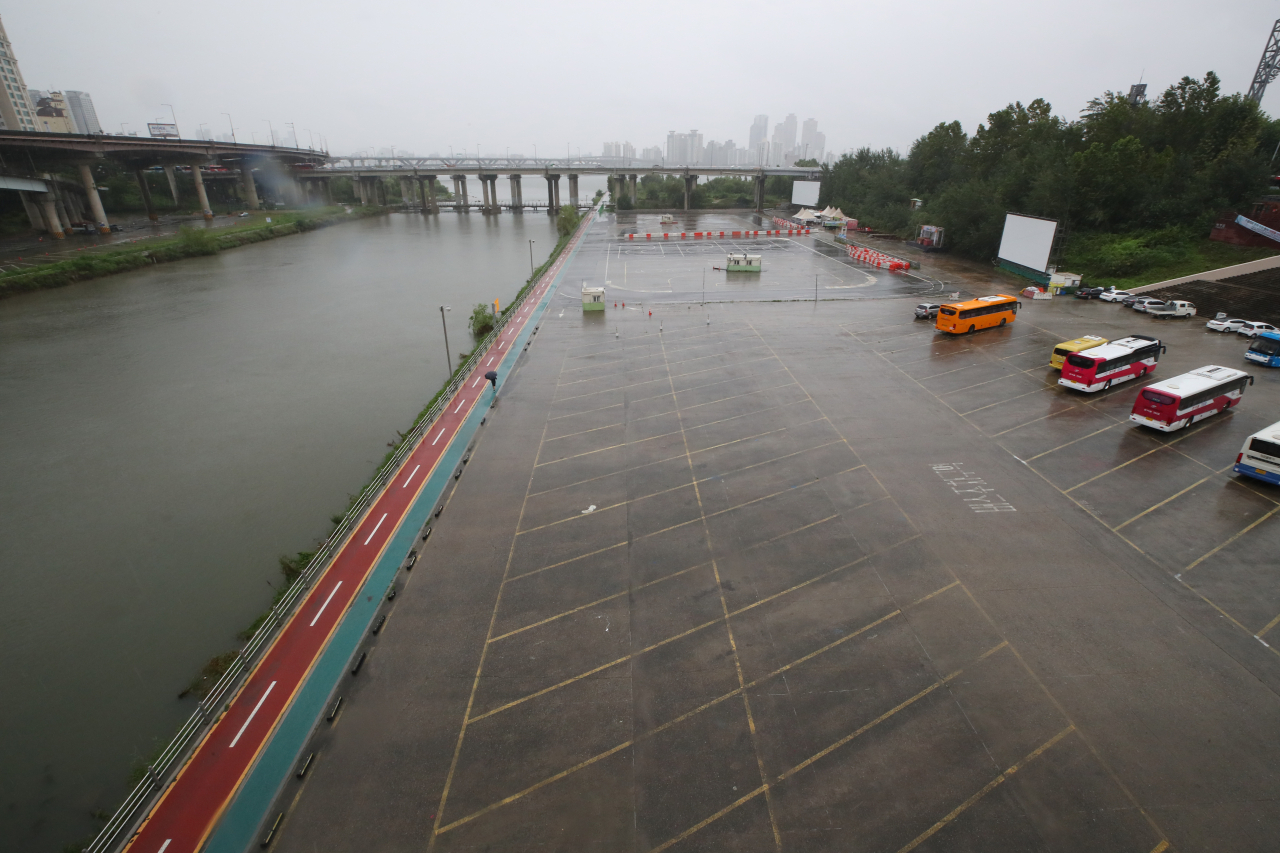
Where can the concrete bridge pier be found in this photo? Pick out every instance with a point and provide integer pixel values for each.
(250, 190)
(429, 200)
(460, 193)
(759, 193)
(60, 203)
(33, 213)
(146, 194)
(406, 193)
(52, 223)
(202, 197)
(327, 187)
(553, 193)
(633, 189)
(95, 201)
(173, 182)
(484, 191)
(573, 191)
(517, 198)
(690, 181)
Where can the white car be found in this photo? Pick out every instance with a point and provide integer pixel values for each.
(1249, 330)
(1112, 295)
(1224, 325)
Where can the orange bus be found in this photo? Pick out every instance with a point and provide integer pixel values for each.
(981, 313)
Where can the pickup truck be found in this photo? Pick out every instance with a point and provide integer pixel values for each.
(1173, 308)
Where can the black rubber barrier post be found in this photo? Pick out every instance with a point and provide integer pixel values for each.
(439, 510)
(378, 626)
(333, 712)
(302, 771)
(359, 662)
(426, 534)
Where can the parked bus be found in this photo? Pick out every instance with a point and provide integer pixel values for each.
(1064, 349)
(1175, 403)
(1265, 349)
(1260, 456)
(1107, 365)
(981, 313)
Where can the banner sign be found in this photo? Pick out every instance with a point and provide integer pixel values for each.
(1258, 228)
(164, 131)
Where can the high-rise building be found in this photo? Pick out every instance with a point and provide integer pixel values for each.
(619, 149)
(16, 111)
(684, 149)
(82, 111)
(808, 140)
(52, 115)
(759, 137)
(784, 138)
(652, 155)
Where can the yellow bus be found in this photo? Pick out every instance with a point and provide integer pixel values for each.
(981, 313)
(1080, 344)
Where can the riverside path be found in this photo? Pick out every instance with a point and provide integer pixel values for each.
(191, 807)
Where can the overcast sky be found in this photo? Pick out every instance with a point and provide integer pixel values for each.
(502, 75)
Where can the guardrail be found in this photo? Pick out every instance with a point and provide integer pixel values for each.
(159, 774)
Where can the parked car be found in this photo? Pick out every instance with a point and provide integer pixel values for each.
(1112, 295)
(1089, 293)
(1251, 329)
(1129, 298)
(1172, 308)
(1142, 303)
(927, 310)
(1224, 324)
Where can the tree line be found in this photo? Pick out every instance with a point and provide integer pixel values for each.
(1151, 174)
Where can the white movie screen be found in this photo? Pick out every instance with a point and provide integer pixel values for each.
(805, 193)
(1027, 241)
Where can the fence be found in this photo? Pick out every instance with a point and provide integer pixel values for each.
(179, 749)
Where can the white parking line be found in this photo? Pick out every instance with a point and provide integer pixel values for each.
(165, 846)
(375, 527)
(415, 471)
(478, 378)
(332, 592)
(252, 714)
(490, 361)
(433, 444)
(459, 409)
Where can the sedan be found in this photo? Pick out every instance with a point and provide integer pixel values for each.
(1250, 330)
(1112, 295)
(1089, 293)
(1142, 303)
(1129, 298)
(1224, 325)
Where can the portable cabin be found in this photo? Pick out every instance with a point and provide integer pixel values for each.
(741, 262)
(592, 298)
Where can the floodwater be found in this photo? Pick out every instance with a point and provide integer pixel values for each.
(165, 435)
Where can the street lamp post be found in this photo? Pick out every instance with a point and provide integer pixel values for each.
(233, 127)
(531, 242)
(175, 119)
(273, 132)
(447, 357)
(311, 140)
(294, 131)
(204, 124)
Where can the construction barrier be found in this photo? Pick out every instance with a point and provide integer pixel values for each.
(700, 234)
(877, 259)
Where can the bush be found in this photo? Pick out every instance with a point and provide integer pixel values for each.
(197, 241)
(567, 221)
(481, 321)
(624, 203)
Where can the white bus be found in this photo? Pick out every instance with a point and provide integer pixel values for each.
(1260, 456)
(1178, 402)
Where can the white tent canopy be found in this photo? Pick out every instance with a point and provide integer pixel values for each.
(806, 215)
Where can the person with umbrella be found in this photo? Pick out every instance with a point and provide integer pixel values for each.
(492, 376)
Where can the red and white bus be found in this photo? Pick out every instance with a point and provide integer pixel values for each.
(1104, 366)
(1170, 405)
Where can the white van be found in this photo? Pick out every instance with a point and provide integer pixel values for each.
(1260, 456)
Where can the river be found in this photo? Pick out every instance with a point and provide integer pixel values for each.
(166, 435)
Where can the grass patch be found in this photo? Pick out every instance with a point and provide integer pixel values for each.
(1133, 259)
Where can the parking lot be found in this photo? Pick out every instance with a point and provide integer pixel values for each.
(758, 575)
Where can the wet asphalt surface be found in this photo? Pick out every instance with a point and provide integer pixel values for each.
(761, 576)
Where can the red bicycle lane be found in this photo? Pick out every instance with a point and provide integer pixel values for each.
(187, 812)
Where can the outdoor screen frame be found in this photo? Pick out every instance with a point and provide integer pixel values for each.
(1027, 240)
(805, 193)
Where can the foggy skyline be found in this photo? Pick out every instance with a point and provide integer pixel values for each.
(561, 78)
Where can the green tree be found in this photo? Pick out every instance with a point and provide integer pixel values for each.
(567, 220)
(481, 321)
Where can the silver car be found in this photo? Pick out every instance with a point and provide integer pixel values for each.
(927, 310)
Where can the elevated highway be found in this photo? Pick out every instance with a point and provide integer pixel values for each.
(27, 161)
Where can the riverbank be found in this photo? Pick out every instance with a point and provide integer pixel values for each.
(191, 242)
